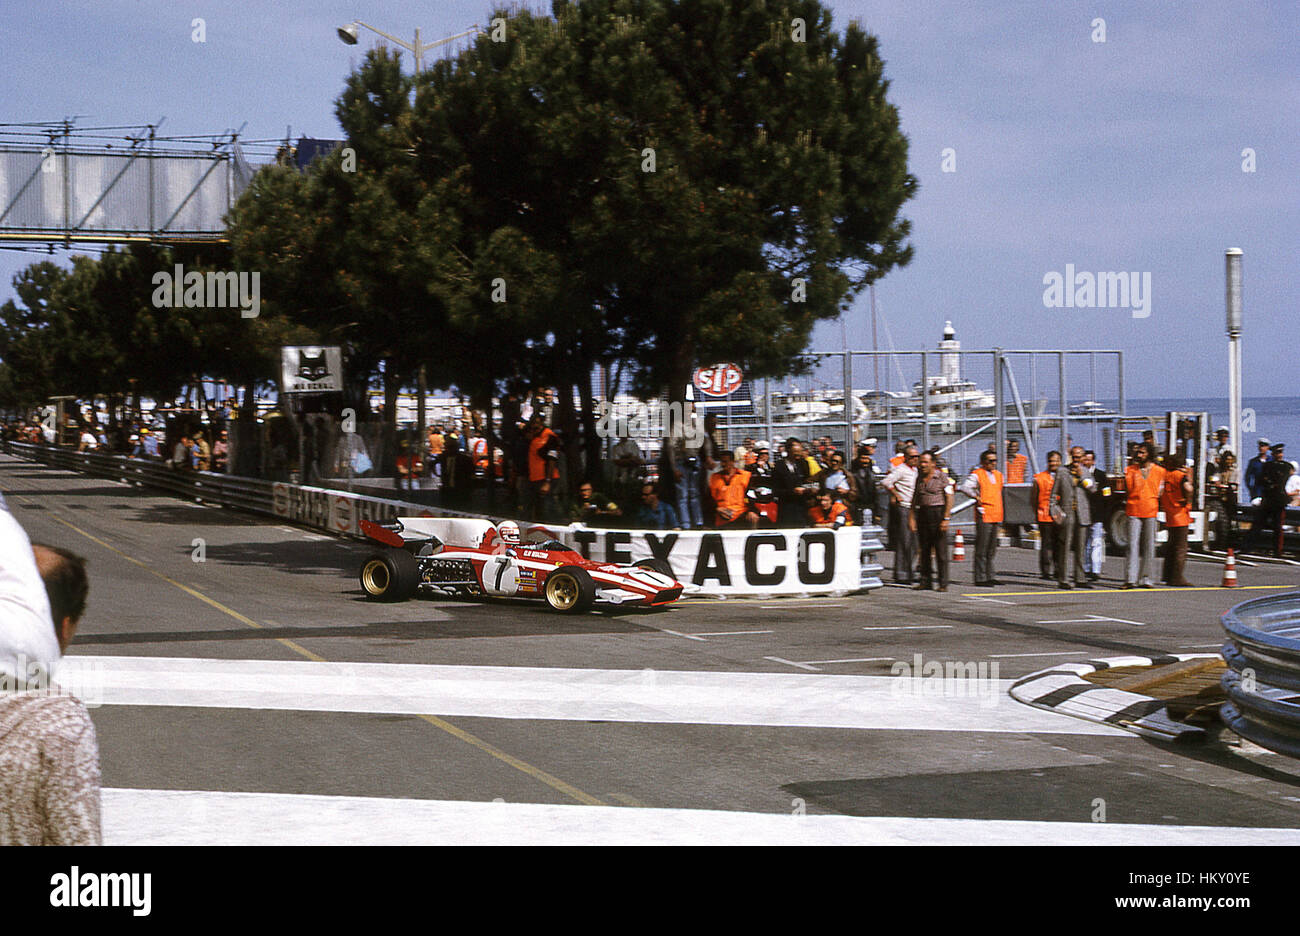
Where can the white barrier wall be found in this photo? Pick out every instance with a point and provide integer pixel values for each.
(335, 511)
(734, 562)
(720, 562)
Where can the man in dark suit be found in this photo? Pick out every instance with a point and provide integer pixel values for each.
(1072, 514)
(1095, 558)
(791, 485)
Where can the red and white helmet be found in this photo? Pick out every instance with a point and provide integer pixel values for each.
(508, 531)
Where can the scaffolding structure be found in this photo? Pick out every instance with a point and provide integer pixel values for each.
(62, 184)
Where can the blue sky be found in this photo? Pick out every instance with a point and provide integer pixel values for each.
(1122, 156)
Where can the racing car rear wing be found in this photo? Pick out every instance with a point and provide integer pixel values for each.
(390, 534)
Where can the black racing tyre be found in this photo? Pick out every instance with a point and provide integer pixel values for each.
(1117, 527)
(392, 575)
(656, 565)
(570, 590)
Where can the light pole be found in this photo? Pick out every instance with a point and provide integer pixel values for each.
(1232, 301)
(349, 34)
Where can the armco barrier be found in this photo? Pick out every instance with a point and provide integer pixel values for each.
(755, 555)
(1263, 677)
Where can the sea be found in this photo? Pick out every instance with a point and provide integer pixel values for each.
(1274, 418)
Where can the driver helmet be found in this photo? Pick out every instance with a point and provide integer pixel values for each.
(508, 530)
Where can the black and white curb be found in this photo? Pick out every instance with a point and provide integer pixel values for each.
(1063, 689)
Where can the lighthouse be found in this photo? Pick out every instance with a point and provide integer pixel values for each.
(950, 359)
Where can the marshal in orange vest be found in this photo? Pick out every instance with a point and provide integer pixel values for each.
(1143, 499)
(1016, 468)
(1043, 488)
(1173, 501)
(990, 494)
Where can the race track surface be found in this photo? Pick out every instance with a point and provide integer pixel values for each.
(257, 696)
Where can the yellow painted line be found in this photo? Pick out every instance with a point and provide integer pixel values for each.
(193, 592)
(536, 773)
(627, 800)
(1054, 592)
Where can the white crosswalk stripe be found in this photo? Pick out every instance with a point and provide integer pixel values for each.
(201, 817)
(677, 697)
(178, 817)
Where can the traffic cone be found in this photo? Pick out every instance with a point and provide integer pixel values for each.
(958, 548)
(1229, 571)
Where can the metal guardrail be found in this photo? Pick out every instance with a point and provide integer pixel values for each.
(1263, 677)
(231, 490)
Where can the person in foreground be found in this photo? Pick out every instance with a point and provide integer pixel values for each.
(49, 757)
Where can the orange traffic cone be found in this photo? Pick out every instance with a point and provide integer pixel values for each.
(958, 548)
(1229, 571)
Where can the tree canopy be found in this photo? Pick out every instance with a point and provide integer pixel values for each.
(654, 184)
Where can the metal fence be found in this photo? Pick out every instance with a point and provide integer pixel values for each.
(955, 400)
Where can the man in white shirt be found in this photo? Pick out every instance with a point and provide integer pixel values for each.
(27, 637)
(901, 484)
(628, 461)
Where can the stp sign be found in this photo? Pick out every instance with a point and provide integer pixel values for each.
(718, 380)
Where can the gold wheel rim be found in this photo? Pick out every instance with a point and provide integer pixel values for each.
(375, 577)
(563, 591)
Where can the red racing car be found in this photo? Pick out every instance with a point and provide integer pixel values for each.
(498, 564)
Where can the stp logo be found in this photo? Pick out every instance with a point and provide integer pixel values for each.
(718, 380)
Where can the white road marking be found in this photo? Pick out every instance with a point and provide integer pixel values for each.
(1093, 619)
(521, 692)
(994, 600)
(1002, 656)
(664, 630)
(730, 633)
(914, 627)
(776, 659)
(193, 817)
(857, 660)
(1213, 646)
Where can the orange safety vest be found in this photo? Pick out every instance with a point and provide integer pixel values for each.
(537, 465)
(1016, 469)
(1174, 502)
(817, 515)
(1143, 493)
(729, 494)
(1043, 485)
(897, 460)
(990, 491)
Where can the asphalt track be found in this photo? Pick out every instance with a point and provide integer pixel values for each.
(256, 696)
